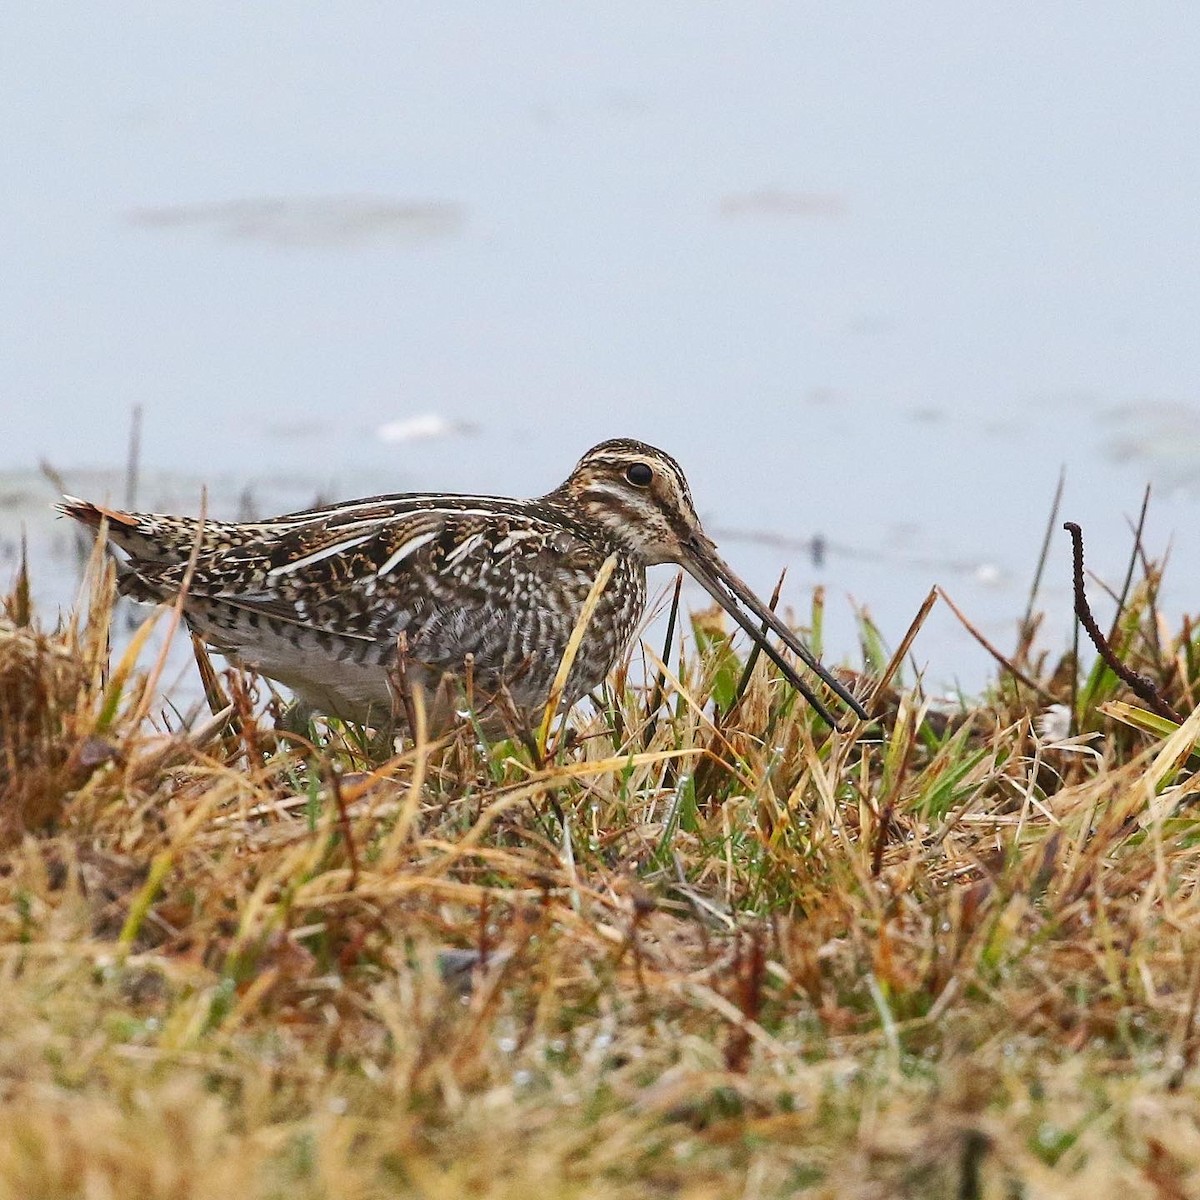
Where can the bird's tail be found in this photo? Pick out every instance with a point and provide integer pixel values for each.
(147, 538)
(92, 515)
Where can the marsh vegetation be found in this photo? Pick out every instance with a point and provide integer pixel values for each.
(693, 944)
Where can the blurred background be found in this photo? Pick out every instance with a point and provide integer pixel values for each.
(873, 273)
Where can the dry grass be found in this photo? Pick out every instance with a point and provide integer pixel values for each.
(949, 957)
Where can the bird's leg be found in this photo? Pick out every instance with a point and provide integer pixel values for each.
(296, 718)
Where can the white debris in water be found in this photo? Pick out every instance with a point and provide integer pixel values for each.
(324, 221)
(418, 429)
(989, 574)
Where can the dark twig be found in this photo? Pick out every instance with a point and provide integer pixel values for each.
(1140, 685)
(1074, 728)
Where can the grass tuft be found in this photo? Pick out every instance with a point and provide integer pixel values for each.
(705, 948)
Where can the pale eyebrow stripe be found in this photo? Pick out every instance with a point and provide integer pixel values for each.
(606, 489)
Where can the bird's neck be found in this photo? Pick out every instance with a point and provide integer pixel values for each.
(602, 527)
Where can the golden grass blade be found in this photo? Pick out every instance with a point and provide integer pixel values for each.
(412, 800)
(162, 863)
(1139, 718)
(176, 615)
(121, 673)
(901, 652)
(568, 659)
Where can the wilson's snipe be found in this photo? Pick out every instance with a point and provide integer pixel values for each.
(318, 599)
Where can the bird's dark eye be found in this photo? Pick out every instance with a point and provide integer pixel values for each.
(639, 474)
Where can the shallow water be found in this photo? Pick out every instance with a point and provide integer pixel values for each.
(871, 273)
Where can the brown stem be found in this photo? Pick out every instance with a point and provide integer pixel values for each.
(1005, 662)
(881, 838)
(334, 779)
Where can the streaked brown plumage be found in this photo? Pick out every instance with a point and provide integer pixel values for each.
(317, 599)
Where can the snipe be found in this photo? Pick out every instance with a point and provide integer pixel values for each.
(318, 599)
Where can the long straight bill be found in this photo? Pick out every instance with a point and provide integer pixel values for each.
(736, 598)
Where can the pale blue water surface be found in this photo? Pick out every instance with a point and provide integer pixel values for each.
(872, 271)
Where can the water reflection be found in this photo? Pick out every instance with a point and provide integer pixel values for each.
(320, 254)
(1160, 438)
(331, 221)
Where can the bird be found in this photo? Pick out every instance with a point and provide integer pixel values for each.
(331, 601)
